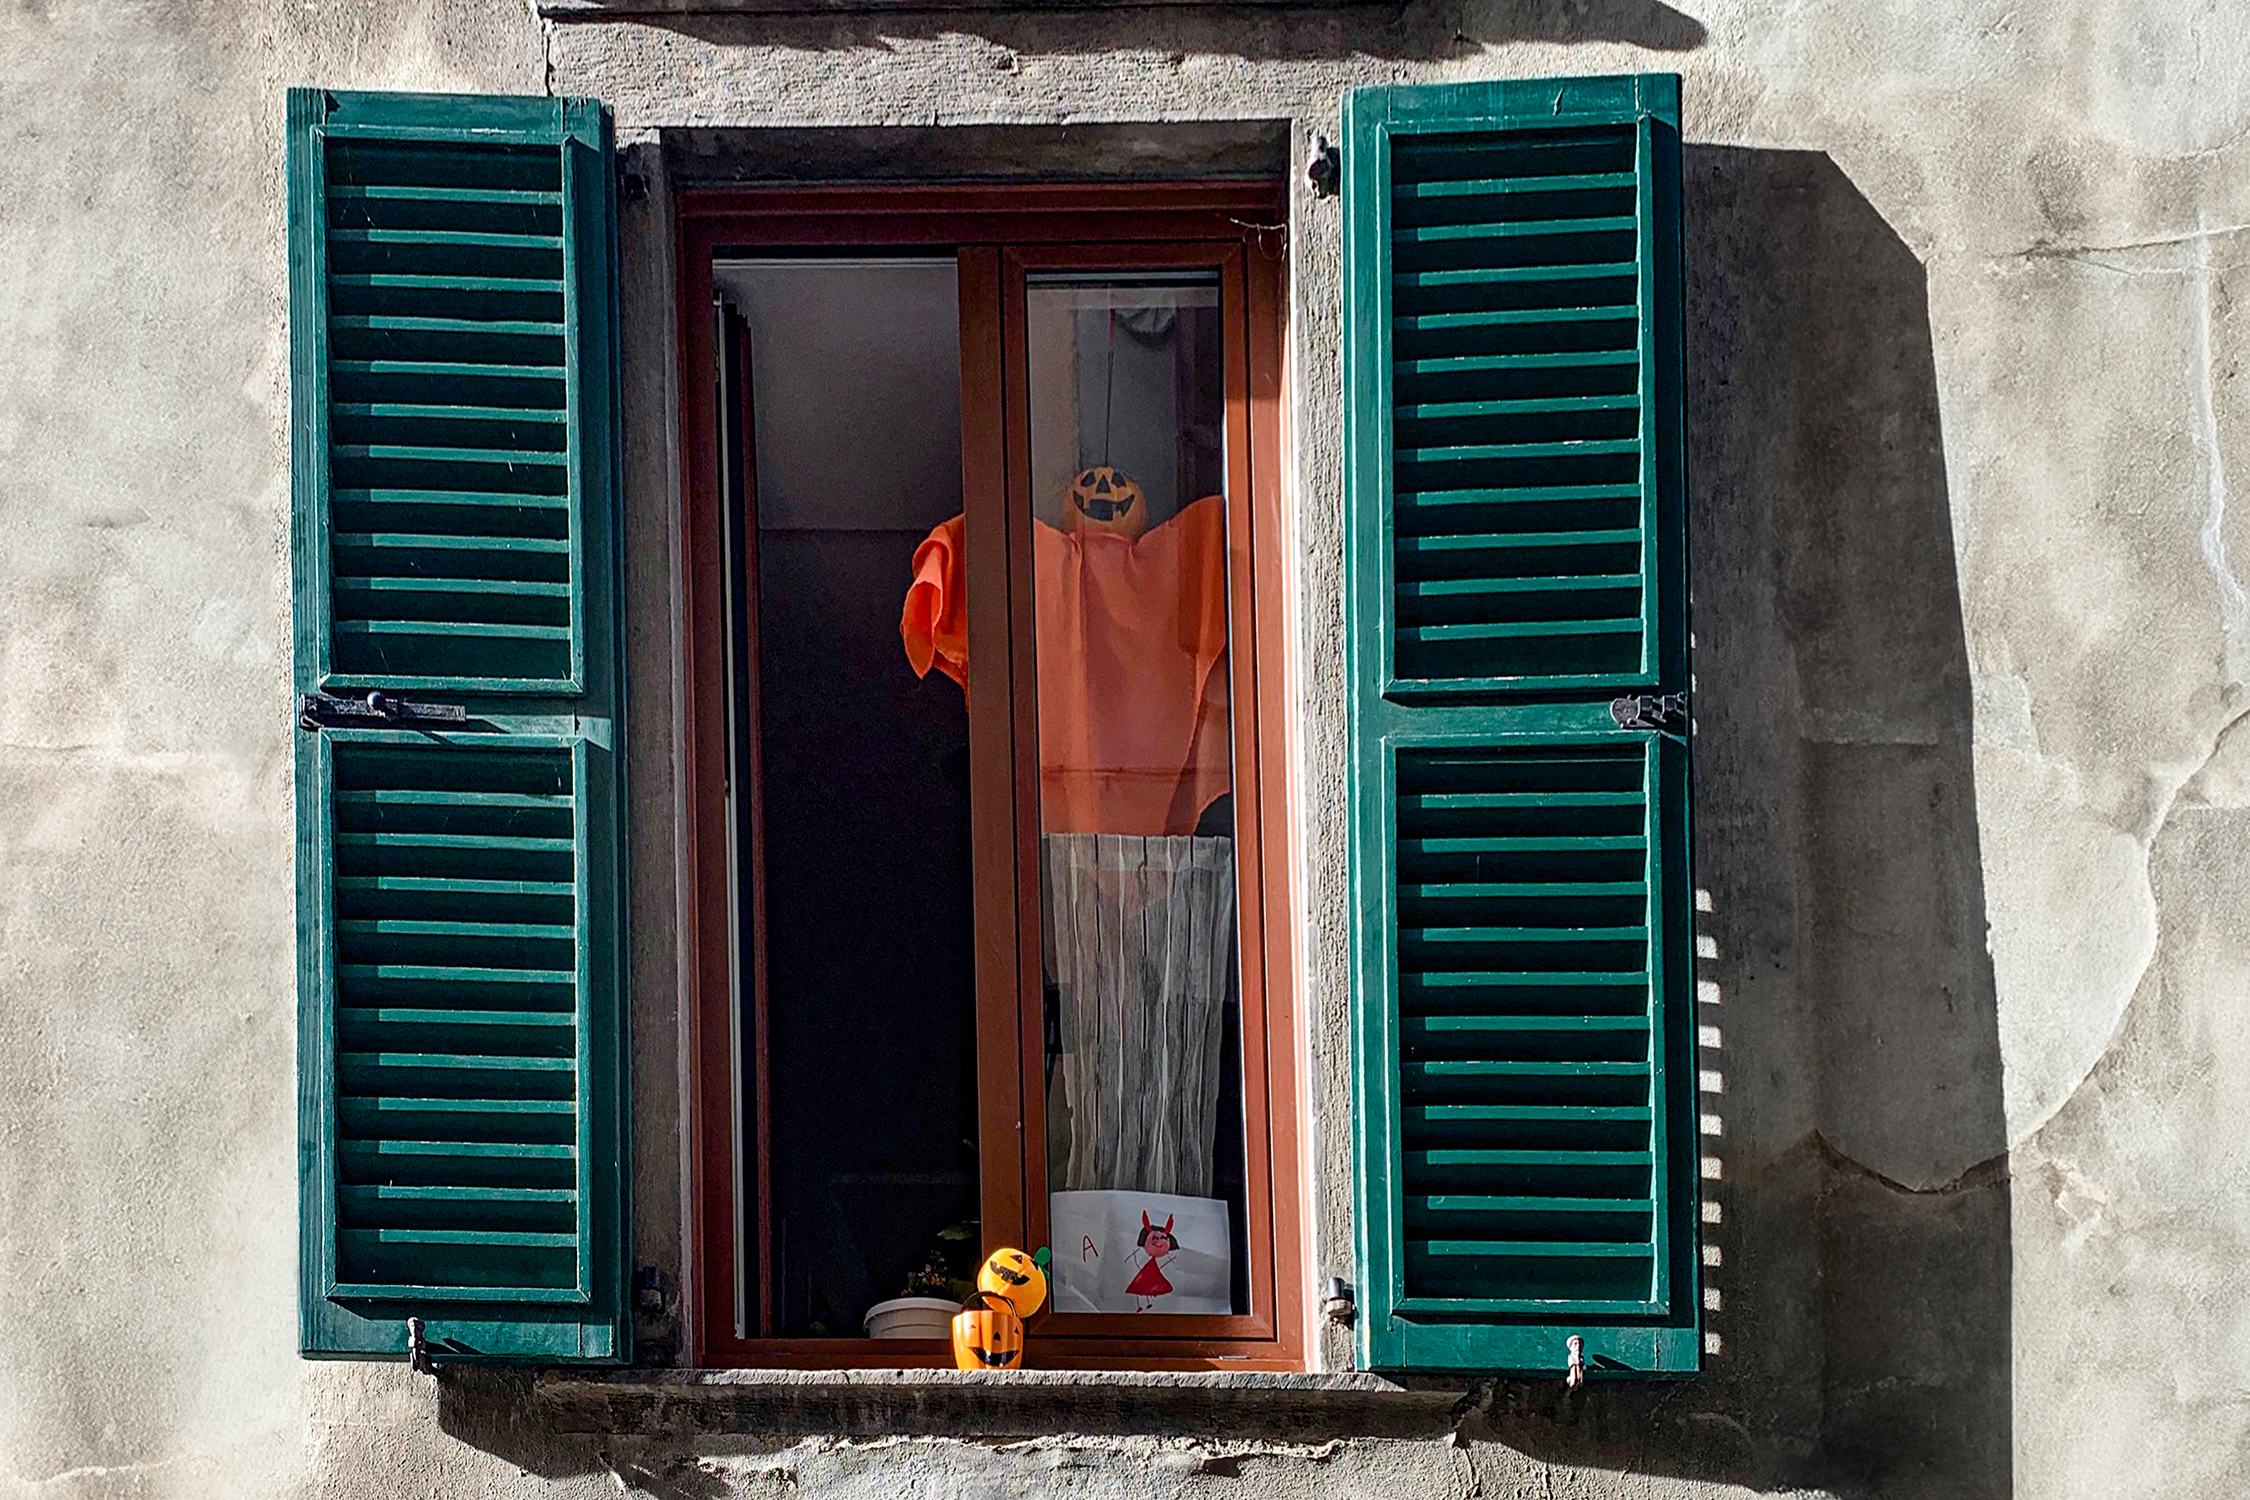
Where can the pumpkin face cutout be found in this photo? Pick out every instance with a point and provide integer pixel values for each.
(1103, 501)
(1017, 1277)
(987, 1334)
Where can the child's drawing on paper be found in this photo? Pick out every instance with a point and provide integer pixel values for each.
(1141, 1252)
(1156, 1247)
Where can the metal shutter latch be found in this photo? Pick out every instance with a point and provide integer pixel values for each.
(378, 710)
(1665, 712)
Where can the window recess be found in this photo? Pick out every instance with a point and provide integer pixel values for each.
(987, 730)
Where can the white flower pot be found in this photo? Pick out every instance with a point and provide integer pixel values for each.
(911, 1318)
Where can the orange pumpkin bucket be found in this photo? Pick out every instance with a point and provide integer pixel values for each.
(987, 1334)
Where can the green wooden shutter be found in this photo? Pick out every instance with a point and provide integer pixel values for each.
(1525, 1117)
(459, 799)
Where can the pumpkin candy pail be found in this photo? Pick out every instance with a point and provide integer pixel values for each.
(987, 1334)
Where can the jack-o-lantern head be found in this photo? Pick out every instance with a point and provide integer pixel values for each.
(1104, 501)
(1017, 1277)
(987, 1334)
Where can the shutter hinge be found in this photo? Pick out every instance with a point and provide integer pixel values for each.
(418, 1348)
(1664, 712)
(1326, 168)
(377, 710)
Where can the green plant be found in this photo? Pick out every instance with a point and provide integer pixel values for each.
(941, 1273)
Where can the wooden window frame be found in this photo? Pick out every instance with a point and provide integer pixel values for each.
(1001, 234)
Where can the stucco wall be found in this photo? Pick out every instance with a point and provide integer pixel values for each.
(1974, 808)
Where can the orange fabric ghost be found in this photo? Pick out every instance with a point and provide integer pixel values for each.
(1133, 716)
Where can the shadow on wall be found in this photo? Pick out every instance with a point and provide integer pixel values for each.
(1423, 30)
(492, 1410)
(1857, 1201)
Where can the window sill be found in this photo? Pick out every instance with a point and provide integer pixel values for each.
(1016, 1403)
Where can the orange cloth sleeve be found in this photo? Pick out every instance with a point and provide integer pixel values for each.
(1202, 590)
(934, 625)
(1209, 771)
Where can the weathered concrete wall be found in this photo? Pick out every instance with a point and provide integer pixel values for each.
(1974, 809)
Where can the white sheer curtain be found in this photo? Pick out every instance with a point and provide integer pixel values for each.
(1140, 945)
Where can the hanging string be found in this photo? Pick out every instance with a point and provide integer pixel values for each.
(1109, 383)
(1270, 240)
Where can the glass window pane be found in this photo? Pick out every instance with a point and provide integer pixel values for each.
(1142, 1071)
(855, 377)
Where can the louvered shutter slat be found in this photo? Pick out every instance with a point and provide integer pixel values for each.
(459, 886)
(1523, 1058)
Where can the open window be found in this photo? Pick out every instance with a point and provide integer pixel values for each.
(990, 874)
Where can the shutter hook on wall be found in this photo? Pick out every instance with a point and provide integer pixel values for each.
(1575, 1376)
(418, 1348)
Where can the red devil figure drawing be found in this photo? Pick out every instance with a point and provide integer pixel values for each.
(1157, 1244)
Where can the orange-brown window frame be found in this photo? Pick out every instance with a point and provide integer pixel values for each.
(1000, 234)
